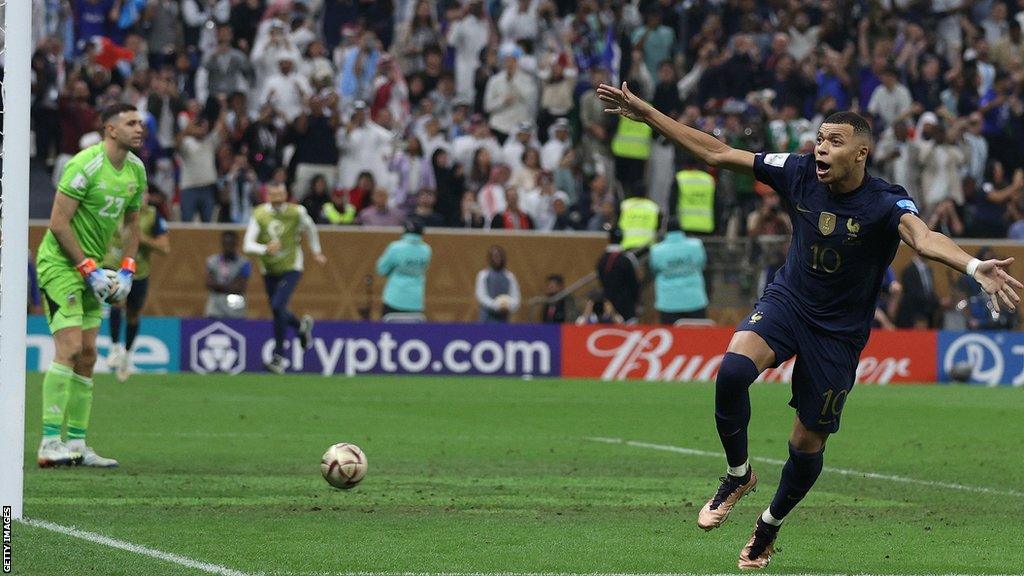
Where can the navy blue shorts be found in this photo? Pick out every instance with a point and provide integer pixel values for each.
(825, 368)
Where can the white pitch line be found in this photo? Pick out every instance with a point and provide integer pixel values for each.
(565, 574)
(840, 471)
(134, 548)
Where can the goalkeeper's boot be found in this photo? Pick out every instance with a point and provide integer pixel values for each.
(276, 365)
(53, 452)
(124, 368)
(306, 332)
(91, 458)
(758, 551)
(115, 357)
(732, 488)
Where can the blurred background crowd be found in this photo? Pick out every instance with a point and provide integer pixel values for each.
(483, 113)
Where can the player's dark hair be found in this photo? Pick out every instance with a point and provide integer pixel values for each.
(115, 109)
(229, 234)
(859, 123)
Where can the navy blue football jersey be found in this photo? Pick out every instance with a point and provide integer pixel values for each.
(842, 244)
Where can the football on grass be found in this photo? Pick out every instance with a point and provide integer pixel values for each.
(343, 465)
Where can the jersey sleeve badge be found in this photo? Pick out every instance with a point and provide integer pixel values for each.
(908, 205)
(777, 160)
(79, 182)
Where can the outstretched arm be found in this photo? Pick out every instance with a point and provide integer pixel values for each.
(705, 146)
(991, 274)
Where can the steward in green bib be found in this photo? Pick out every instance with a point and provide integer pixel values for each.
(631, 147)
(632, 140)
(338, 210)
(638, 220)
(696, 200)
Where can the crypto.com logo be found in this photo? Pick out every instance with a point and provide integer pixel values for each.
(217, 348)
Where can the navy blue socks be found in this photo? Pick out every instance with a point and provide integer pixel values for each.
(798, 475)
(732, 405)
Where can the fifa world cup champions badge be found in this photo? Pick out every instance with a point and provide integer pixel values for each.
(826, 223)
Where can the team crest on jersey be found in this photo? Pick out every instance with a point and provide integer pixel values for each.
(852, 226)
(827, 223)
(755, 317)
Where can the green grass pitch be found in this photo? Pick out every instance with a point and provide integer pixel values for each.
(498, 475)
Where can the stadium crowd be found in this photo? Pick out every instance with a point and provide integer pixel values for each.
(484, 114)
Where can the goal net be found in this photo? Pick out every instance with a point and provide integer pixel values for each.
(15, 78)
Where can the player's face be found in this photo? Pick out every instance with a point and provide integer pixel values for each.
(277, 194)
(837, 152)
(127, 129)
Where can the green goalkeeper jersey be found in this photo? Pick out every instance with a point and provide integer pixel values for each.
(104, 194)
(285, 225)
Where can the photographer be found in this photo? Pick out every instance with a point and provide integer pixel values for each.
(769, 219)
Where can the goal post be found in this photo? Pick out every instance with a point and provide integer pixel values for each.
(16, 52)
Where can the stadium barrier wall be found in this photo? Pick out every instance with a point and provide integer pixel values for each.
(347, 286)
(661, 353)
(995, 357)
(607, 352)
(348, 348)
(157, 347)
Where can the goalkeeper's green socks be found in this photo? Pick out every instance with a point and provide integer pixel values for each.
(79, 406)
(55, 399)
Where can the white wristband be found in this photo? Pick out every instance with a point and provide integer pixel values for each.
(972, 266)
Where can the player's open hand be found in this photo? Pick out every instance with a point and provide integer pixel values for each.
(623, 102)
(998, 284)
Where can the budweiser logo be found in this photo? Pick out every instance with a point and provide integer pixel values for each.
(661, 354)
(647, 355)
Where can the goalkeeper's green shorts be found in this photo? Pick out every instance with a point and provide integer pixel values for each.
(67, 301)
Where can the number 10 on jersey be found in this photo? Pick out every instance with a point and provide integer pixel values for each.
(825, 258)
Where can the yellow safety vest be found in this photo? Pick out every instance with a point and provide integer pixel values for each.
(696, 200)
(632, 140)
(638, 221)
(335, 216)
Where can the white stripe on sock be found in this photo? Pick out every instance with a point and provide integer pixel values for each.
(739, 471)
(767, 518)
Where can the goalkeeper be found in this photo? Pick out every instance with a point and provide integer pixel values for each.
(100, 186)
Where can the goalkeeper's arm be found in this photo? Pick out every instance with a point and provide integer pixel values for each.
(64, 208)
